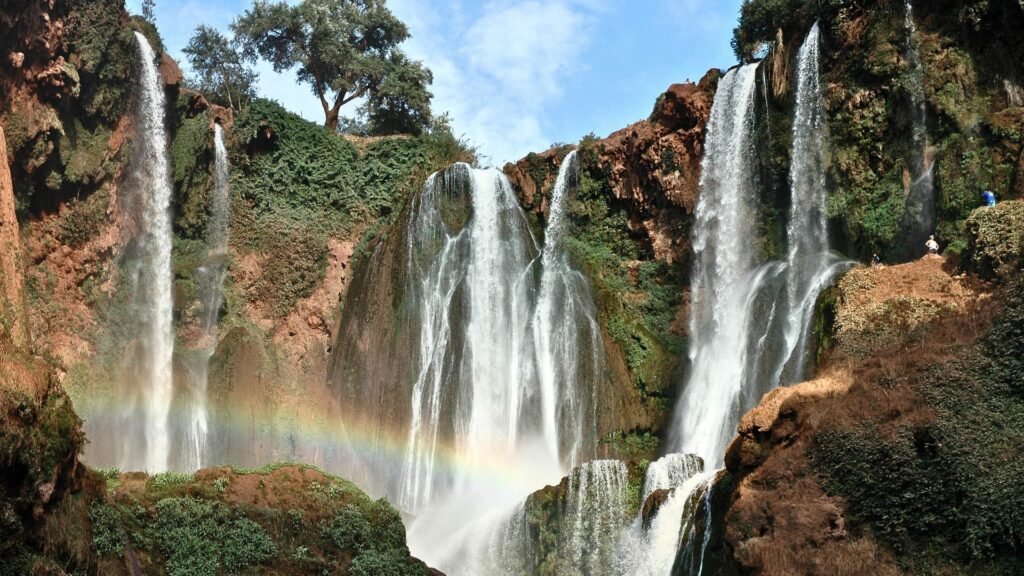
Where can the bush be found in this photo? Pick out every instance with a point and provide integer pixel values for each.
(995, 239)
(200, 537)
(294, 165)
(191, 162)
(383, 563)
(83, 220)
(108, 535)
(347, 530)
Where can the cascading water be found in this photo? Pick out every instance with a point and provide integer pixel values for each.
(726, 277)
(811, 266)
(595, 512)
(509, 355)
(473, 291)
(648, 547)
(211, 292)
(566, 336)
(153, 299)
(919, 214)
(747, 334)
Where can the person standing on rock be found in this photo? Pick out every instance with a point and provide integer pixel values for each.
(932, 245)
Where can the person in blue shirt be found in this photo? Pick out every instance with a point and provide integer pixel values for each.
(988, 198)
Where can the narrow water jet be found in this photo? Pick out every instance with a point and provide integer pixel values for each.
(566, 336)
(153, 296)
(810, 265)
(211, 293)
(919, 216)
(725, 276)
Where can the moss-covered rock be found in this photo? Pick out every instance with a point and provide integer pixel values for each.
(995, 239)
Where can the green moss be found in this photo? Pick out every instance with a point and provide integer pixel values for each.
(192, 161)
(83, 220)
(637, 296)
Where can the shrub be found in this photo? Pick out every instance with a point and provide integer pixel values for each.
(995, 239)
(200, 537)
(347, 530)
(83, 220)
(108, 535)
(382, 563)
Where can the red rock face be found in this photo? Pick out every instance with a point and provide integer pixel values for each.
(11, 280)
(653, 166)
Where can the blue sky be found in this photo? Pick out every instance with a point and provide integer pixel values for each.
(519, 75)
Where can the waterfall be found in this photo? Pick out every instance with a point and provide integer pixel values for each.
(919, 214)
(211, 292)
(595, 512)
(726, 277)
(153, 284)
(569, 350)
(810, 266)
(648, 547)
(509, 353)
(473, 288)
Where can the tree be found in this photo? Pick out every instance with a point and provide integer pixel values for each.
(220, 70)
(344, 50)
(148, 8)
(401, 103)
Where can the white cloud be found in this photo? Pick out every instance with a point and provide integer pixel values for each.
(499, 69)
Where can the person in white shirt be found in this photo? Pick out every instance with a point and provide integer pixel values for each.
(932, 245)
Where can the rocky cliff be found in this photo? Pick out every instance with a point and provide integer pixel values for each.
(874, 465)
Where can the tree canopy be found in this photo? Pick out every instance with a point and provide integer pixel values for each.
(220, 70)
(344, 50)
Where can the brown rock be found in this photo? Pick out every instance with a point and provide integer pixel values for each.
(12, 295)
(169, 71)
(16, 59)
(652, 505)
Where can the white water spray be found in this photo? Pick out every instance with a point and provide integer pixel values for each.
(919, 214)
(212, 276)
(155, 247)
(566, 336)
(473, 290)
(811, 267)
(725, 276)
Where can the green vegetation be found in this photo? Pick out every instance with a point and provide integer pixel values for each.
(191, 161)
(637, 296)
(344, 50)
(946, 490)
(200, 537)
(974, 133)
(83, 219)
(283, 518)
(996, 239)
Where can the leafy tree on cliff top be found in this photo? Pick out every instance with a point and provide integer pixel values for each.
(221, 71)
(344, 50)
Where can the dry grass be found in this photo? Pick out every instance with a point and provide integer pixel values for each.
(781, 521)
